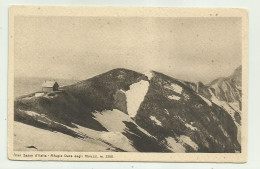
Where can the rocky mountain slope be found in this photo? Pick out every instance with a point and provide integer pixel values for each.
(226, 93)
(123, 110)
(229, 89)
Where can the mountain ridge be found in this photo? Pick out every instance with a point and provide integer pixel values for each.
(155, 112)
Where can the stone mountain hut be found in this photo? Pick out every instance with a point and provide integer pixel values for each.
(50, 86)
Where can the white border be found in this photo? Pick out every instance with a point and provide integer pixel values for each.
(131, 12)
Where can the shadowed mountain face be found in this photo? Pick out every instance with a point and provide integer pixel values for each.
(226, 93)
(228, 89)
(122, 110)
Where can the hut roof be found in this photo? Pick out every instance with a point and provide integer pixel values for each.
(49, 83)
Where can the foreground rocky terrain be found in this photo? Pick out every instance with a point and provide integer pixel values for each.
(123, 110)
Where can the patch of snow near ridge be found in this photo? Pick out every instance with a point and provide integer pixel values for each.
(173, 97)
(149, 75)
(188, 141)
(235, 106)
(156, 121)
(190, 126)
(174, 87)
(175, 146)
(135, 96)
(205, 100)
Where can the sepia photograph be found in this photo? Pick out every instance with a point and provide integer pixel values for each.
(127, 84)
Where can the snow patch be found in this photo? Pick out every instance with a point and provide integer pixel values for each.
(31, 113)
(188, 141)
(44, 140)
(135, 96)
(175, 146)
(205, 100)
(174, 97)
(223, 131)
(156, 121)
(119, 140)
(190, 126)
(87, 131)
(121, 90)
(114, 138)
(235, 106)
(42, 121)
(144, 131)
(39, 94)
(117, 118)
(166, 111)
(174, 87)
(213, 97)
(149, 75)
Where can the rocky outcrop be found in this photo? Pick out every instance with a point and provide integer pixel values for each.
(120, 101)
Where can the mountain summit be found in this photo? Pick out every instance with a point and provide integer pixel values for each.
(123, 110)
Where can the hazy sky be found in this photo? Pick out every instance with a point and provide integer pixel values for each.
(191, 49)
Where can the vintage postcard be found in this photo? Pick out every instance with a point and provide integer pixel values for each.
(127, 84)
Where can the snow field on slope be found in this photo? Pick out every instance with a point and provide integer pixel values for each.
(175, 146)
(26, 135)
(188, 141)
(135, 96)
(113, 137)
(116, 139)
(113, 121)
(116, 117)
